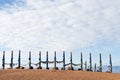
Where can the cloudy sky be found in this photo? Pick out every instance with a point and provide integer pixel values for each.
(56, 25)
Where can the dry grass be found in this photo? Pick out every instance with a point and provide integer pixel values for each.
(55, 75)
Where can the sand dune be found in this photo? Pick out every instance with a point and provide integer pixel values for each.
(55, 75)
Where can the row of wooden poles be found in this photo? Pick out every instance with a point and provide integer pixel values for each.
(55, 61)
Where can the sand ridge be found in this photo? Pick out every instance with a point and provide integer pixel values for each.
(55, 75)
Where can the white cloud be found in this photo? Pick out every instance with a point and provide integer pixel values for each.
(59, 25)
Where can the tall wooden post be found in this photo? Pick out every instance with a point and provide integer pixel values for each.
(29, 59)
(90, 63)
(81, 62)
(71, 67)
(110, 63)
(11, 64)
(71, 59)
(100, 69)
(95, 68)
(3, 60)
(55, 60)
(47, 60)
(85, 65)
(63, 60)
(40, 67)
(19, 59)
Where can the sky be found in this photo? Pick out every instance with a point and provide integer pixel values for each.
(61, 25)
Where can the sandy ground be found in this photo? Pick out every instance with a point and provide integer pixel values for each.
(55, 75)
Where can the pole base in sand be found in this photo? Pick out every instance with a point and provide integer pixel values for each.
(30, 67)
(39, 67)
(21, 67)
(79, 69)
(70, 68)
(55, 68)
(47, 68)
(62, 68)
(88, 70)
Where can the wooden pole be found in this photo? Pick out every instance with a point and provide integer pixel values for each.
(19, 59)
(110, 63)
(3, 60)
(47, 60)
(55, 60)
(11, 64)
(95, 68)
(81, 62)
(100, 69)
(40, 60)
(29, 59)
(85, 65)
(63, 60)
(71, 67)
(90, 63)
(71, 59)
